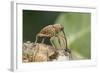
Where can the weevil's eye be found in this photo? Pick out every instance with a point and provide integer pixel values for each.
(61, 28)
(58, 26)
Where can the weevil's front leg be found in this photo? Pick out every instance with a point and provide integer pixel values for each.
(65, 38)
(36, 39)
(70, 56)
(67, 49)
(69, 53)
(61, 41)
(52, 43)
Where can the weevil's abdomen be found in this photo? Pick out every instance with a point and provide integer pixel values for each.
(50, 30)
(47, 31)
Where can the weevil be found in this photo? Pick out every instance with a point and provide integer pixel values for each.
(52, 31)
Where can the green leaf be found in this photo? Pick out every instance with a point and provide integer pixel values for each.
(77, 27)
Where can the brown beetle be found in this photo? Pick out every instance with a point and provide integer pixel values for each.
(52, 31)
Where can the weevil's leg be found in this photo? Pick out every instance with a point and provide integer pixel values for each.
(51, 41)
(43, 40)
(70, 56)
(59, 40)
(67, 50)
(69, 53)
(36, 39)
(65, 38)
(64, 41)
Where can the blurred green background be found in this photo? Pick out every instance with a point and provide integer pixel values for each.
(77, 27)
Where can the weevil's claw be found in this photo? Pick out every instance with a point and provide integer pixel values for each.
(68, 51)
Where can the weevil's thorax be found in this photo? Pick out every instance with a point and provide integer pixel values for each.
(58, 27)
